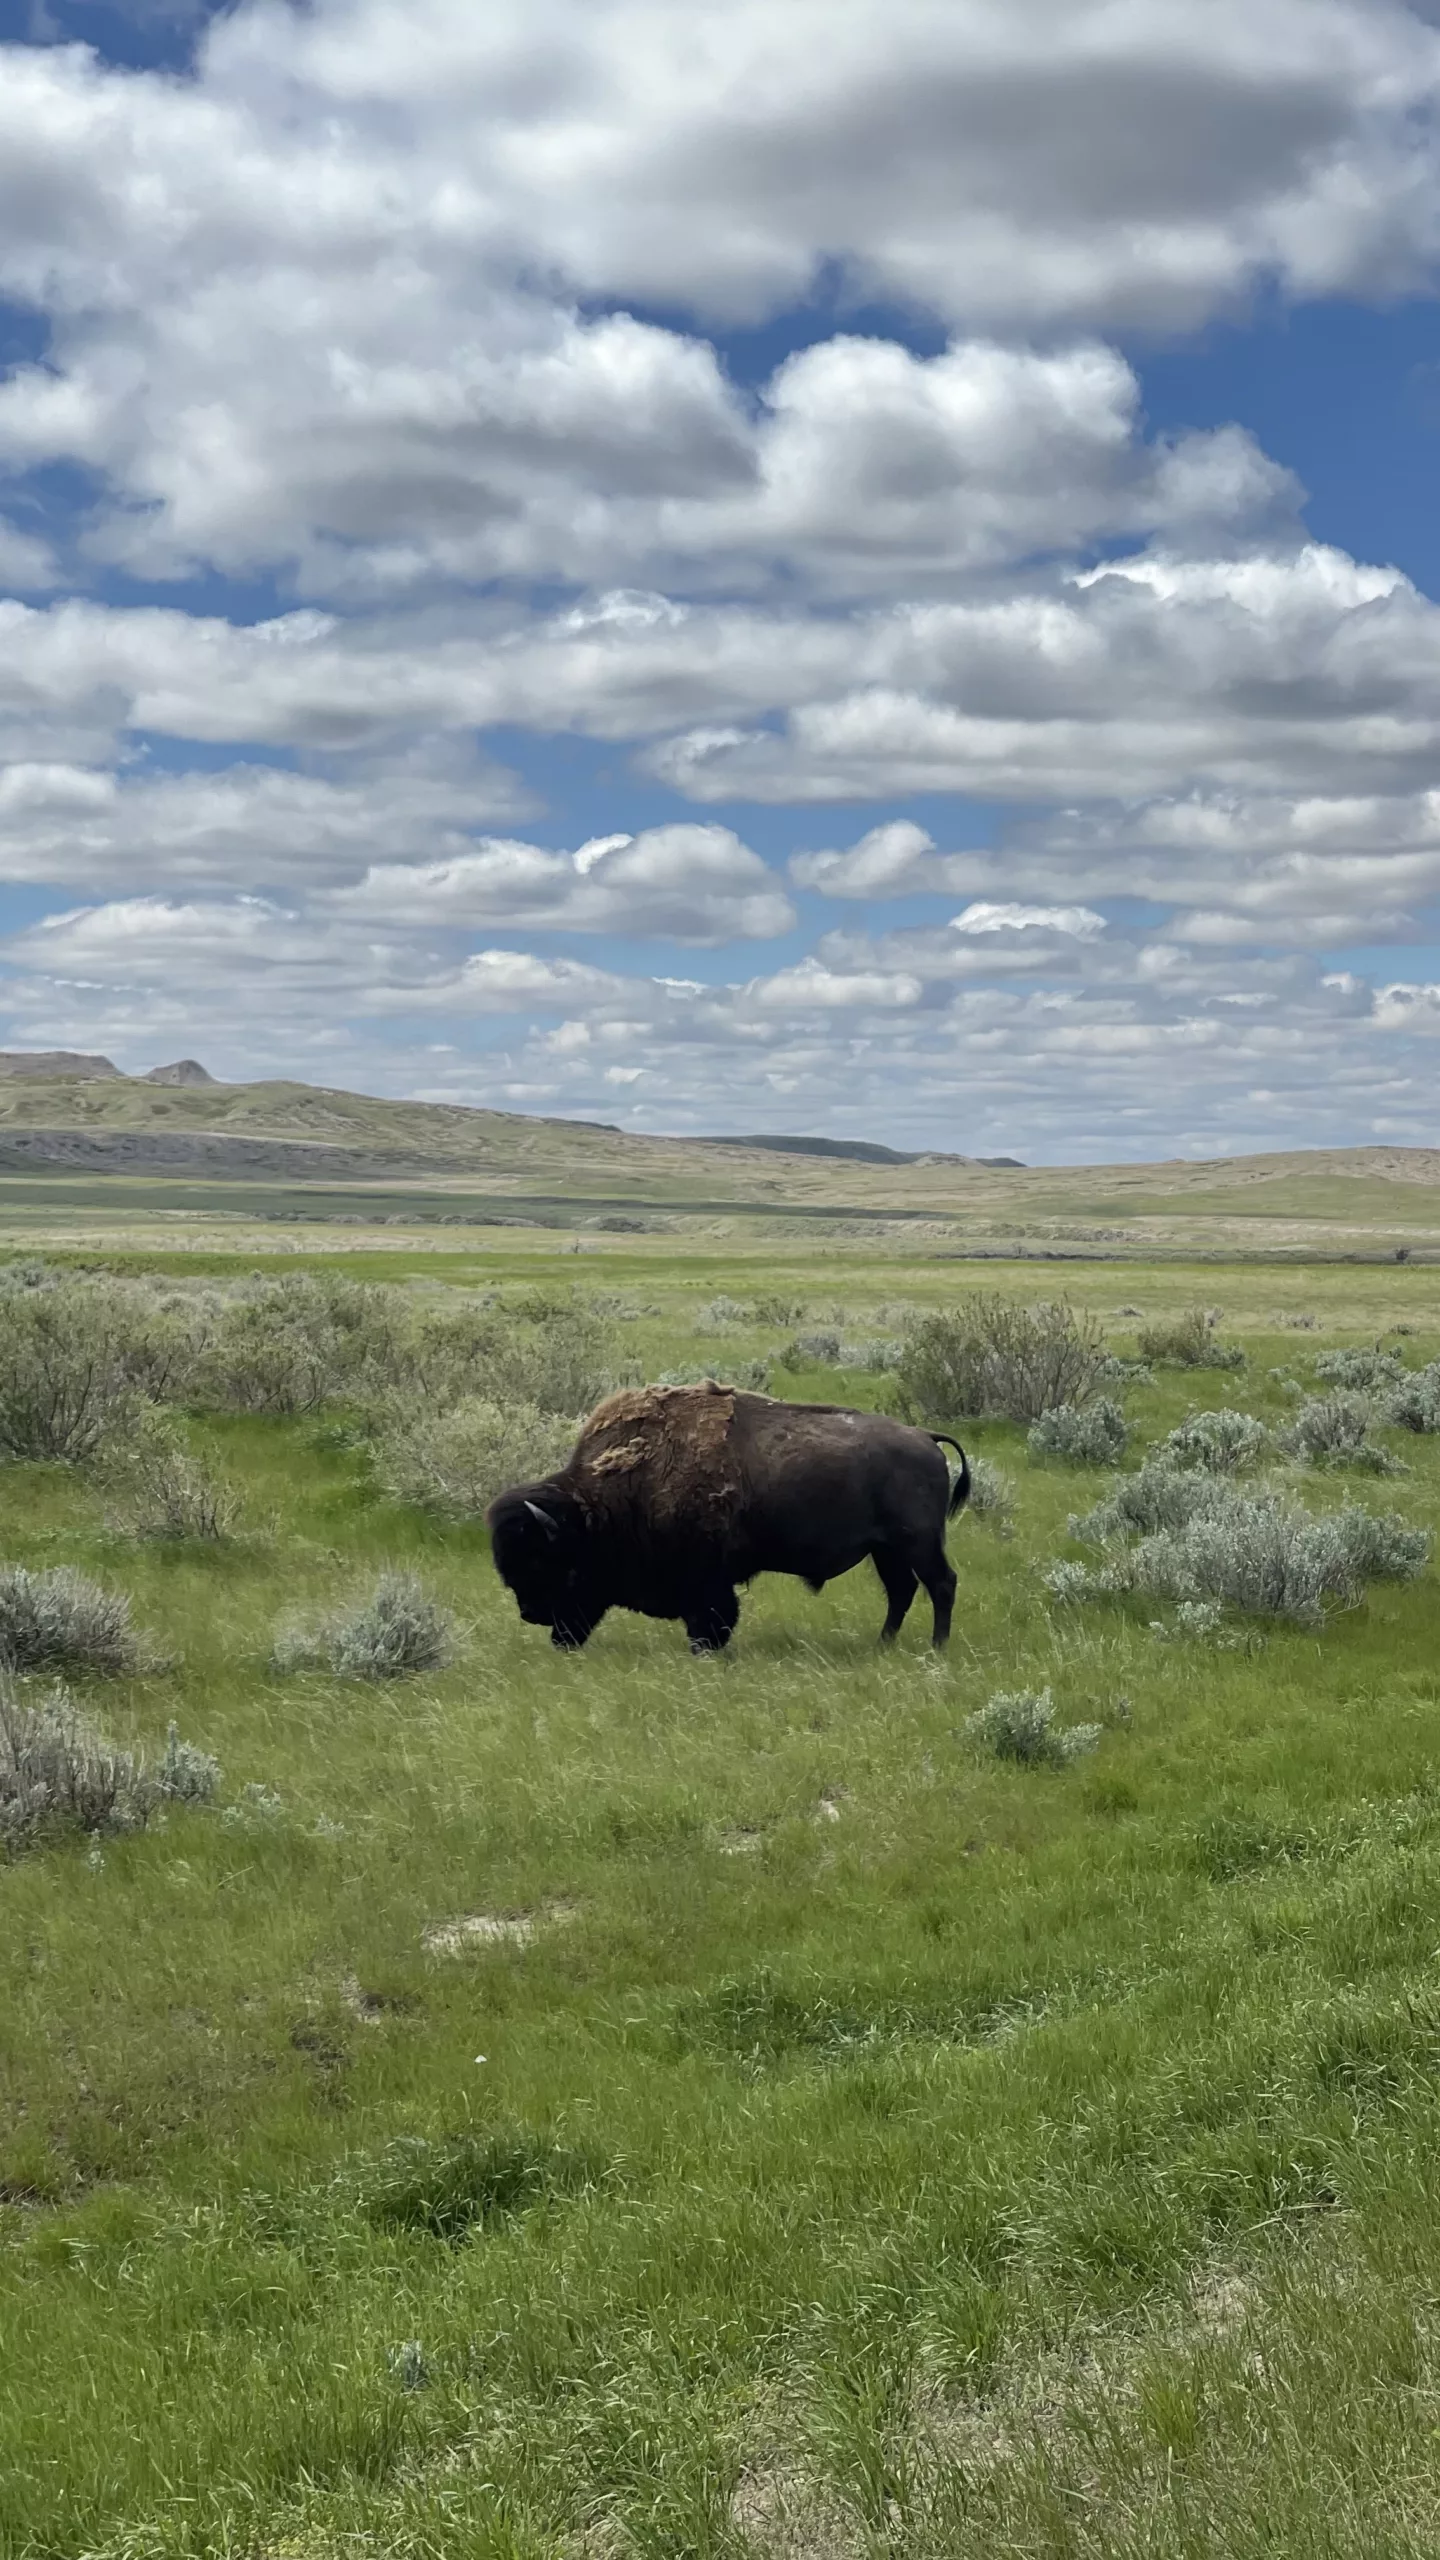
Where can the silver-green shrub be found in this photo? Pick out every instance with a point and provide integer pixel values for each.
(1157, 1496)
(457, 1462)
(751, 1375)
(398, 1629)
(1187, 1341)
(155, 1487)
(992, 1496)
(1020, 1725)
(58, 1773)
(66, 1370)
(777, 1310)
(564, 1361)
(1270, 1558)
(1359, 1368)
(1117, 1372)
(818, 1350)
(1413, 1402)
(989, 1355)
(1222, 1443)
(876, 1358)
(1334, 1431)
(721, 1315)
(61, 1619)
(289, 1345)
(1084, 1435)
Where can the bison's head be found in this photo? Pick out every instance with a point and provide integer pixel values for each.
(539, 1538)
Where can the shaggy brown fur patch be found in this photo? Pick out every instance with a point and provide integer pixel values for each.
(664, 1448)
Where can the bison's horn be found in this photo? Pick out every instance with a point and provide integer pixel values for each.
(543, 1517)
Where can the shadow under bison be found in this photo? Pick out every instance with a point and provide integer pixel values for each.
(673, 1496)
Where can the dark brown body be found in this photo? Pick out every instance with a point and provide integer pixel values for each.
(673, 1496)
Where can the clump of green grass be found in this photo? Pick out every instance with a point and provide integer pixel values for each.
(398, 1630)
(1084, 1435)
(60, 1619)
(1019, 1724)
(465, 2182)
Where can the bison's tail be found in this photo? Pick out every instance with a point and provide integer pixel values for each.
(960, 1489)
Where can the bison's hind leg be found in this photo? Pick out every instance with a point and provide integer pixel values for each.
(710, 1621)
(937, 1574)
(899, 1580)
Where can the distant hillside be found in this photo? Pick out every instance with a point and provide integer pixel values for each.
(184, 1071)
(54, 1062)
(80, 1142)
(854, 1150)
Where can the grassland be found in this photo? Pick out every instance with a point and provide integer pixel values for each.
(575, 2107)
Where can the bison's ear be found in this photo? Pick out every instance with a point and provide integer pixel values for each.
(550, 1527)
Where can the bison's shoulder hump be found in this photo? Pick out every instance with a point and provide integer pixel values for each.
(666, 1447)
(638, 1422)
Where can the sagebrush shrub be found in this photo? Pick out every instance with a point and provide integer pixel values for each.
(777, 1310)
(1359, 1368)
(1222, 1442)
(563, 1363)
(66, 1371)
(1085, 1435)
(1334, 1431)
(292, 1344)
(1413, 1403)
(397, 1630)
(1157, 1496)
(1187, 1341)
(458, 1462)
(1020, 1725)
(817, 1350)
(60, 1619)
(721, 1315)
(990, 1356)
(1270, 1558)
(57, 1773)
(876, 1358)
(1114, 1371)
(155, 1486)
(186, 1775)
(992, 1496)
(752, 1375)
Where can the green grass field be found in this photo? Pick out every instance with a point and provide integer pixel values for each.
(627, 2104)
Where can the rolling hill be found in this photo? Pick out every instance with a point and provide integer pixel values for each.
(80, 1140)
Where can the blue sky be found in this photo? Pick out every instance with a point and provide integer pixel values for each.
(866, 570)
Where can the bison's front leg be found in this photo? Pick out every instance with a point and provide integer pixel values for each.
(710, 1622)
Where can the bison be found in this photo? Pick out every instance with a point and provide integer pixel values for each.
(673, 1495)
